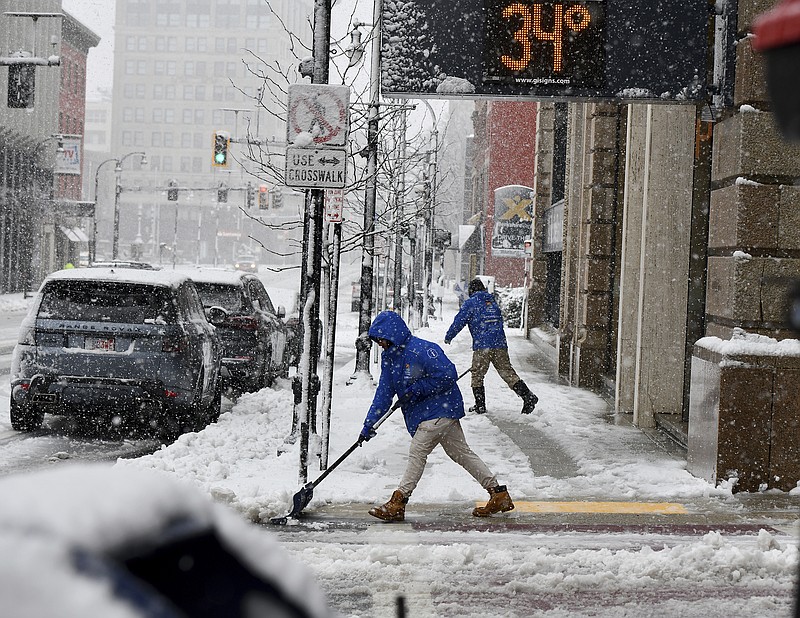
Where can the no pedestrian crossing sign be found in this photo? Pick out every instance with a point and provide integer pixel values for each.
(320, 110)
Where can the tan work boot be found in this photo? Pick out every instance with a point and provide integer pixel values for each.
(394, 510)
(499, 502)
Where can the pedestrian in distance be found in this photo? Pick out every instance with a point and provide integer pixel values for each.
(425, 382)
(482, 315)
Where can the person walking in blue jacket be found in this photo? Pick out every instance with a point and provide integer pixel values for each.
(425, 382)
(482, 315)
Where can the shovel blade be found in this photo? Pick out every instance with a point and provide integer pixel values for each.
(299, 502)
(301, 499)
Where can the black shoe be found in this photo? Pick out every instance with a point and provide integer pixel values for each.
(480, 400)
(529, 400)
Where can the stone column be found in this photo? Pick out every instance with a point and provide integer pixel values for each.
(586, 350)
(543, 192)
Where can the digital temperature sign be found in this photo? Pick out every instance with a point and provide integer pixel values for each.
(544, 43)
(540, 49)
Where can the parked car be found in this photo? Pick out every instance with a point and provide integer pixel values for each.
(133, 344)
(246, 263)
(256, 340)
(124, 264)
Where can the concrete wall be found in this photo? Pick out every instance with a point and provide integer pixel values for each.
(655, 261)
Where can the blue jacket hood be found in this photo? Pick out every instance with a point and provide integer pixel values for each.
(389, 325)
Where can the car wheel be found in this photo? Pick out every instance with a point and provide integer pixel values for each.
(25, 418)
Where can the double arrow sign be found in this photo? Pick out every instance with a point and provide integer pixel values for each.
(315, 168)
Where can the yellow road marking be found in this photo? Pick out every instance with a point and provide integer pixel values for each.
(658, 508)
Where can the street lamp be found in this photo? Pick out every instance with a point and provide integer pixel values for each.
(94, 229)
(117, 191)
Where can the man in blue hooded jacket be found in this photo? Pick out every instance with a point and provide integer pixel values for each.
(425, 382)
(482, 315)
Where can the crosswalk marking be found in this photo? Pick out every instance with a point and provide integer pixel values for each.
(653, 508)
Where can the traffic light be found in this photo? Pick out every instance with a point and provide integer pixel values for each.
(172, 191)
(21, 85)
(222, 142)
(250, 196)
(263, 197)
(222, 193)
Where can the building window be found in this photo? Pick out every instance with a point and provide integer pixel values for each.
(142, 43)
(140, 91)
(200, 93)
(186, 164)
(219, 45)
(130, 67)
(141, 67)
(169, 115)
(155, 139)
(186, 140)
(169, 92)
(158, 115)
(172, 67)
(188, 93)
(188, 69)
(191, 44)
(168, 140)
(158, 92)
(130, 43)
(127, 138)
(219, 93)
(127, 114)
(199, 116)
(188, 114)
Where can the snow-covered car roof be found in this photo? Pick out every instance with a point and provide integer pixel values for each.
(165, 278)
(218, 275)
(65, 534)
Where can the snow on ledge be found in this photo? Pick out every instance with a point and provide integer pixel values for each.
(751, 344)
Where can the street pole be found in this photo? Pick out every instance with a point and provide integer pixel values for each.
(363, 344)
(313, 259)
(430, 219)
(398, 218)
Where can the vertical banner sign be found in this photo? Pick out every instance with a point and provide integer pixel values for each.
(334, 205)
(68, 161)
(512, 221)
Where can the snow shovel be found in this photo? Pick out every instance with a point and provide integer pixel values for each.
(303, 497)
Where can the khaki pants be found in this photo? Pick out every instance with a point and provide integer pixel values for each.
(448, 433)
(497, 357)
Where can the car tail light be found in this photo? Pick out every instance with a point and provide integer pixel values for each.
(243, 322)
(174, 343)
(27, 335)
(170, 394)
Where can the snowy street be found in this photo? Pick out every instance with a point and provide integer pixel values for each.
(608, 521)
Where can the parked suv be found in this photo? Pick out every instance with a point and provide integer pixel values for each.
(256, 340)
(133, 343)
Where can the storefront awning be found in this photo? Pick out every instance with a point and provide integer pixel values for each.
(74, 234)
